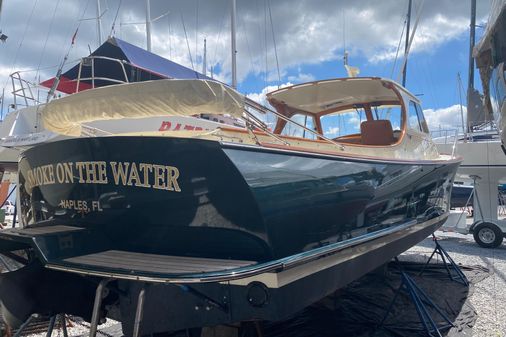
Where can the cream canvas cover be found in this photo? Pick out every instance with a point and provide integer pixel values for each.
(318, 96)
(139, 100)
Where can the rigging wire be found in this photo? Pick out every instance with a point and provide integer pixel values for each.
(427, 73)
(170, 38)
(65, 58)
(247, 44)
(410, 41)
(21, 42)
(187, 42)
(399, 44)
(114, 21)
(398, 48)
(218, 37)
(274, 42)
(47, 38)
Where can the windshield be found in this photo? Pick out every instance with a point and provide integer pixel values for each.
(348, 123)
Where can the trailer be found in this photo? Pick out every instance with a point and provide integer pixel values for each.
(488, 232)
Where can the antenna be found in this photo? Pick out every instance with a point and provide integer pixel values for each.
(345, 54)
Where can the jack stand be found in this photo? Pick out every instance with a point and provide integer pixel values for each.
(23, 326)
(50, 328)
(449, 264)
(63, 323)
(139, 312)
(95, 318)
(421, 301)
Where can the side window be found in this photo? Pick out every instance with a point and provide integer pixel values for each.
(413, 117)
(421, 119)
(294, 130)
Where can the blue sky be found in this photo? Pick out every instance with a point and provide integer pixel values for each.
(431, 75)
(310, 38)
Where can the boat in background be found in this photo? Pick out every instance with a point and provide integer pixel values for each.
(114, 62)
(461, 196)
(490, 55)
(480, 145)
(224, 226)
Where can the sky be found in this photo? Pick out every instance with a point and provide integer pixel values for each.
(279, 42)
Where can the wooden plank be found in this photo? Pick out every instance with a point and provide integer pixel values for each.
(45, 230)
(153, 263)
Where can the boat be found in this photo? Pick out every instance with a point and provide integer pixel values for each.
(481, 144)
(490, 60)
(114, 62)
(165, 230)
(461, 196)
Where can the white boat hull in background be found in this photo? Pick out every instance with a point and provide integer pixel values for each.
(486, 162)
(23, 129)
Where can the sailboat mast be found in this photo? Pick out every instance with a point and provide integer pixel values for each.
(470, 81)
(204, 62)
(234, 49)
(472, 26)
(148, 25)
(99, 23)
(406, 48)
(459, 84)
(3, 92)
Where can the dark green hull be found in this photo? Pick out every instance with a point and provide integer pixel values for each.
(234, 202)
(263, 210)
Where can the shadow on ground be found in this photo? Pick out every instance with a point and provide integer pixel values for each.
(358, 309)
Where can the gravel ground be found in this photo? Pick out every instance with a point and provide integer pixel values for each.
(489, 296)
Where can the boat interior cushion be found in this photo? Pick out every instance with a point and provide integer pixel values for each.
(377, 132)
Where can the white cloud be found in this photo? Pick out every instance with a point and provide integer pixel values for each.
(332, 131)
(261, 98)
(353, 122)
(301, 78)
(445, 118)
(306, 32)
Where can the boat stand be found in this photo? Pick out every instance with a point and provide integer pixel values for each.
(23, 326)
(451, 267)
(422, 303)
(52, 322)
(95, 317)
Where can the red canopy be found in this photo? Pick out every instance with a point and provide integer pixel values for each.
(66, 85)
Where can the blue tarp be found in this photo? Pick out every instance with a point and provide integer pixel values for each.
(155, 63)
(140, 65)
